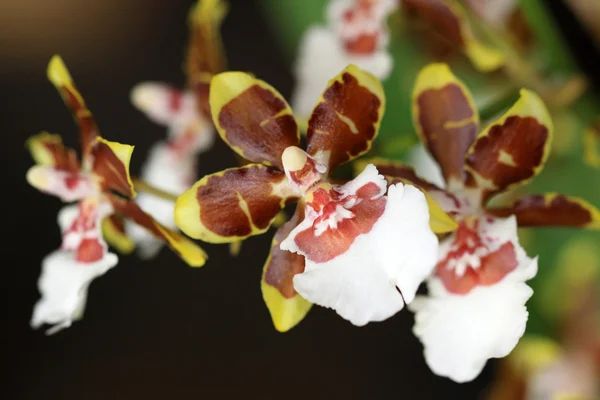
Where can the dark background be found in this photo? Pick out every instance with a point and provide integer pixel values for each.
(161, 329)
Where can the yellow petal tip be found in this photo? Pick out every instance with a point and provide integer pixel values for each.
(38, 177)
(57, 72)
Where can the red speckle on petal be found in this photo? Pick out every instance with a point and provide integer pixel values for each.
(335, 241)
(363, 44)
(492, 268)
(90, 250)
(368, 191)
(72, 181)
(175, 100)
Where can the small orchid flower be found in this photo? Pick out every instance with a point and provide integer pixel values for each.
(356, 33)
(102, 186)
(171, 165)
(67, 272)
(336, 226)
(475, 309)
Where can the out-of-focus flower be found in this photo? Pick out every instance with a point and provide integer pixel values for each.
(67, 272)
(450, 24)
(568, 367)
(171, 165)
(102, 186)
(335, 226)
(591, 145)
(475, 309)
(356, 33)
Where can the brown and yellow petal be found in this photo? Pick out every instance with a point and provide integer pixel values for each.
(346, 119)
(450, 19)
(232, 204)
(113, 230)
(591, 145)
(252, 117)
(48, 150)
(205, 54)
(513, 149)
(111, 166)
(286, 306)
(61, 79)
(551, 209)
(181, 245)
(446, 119)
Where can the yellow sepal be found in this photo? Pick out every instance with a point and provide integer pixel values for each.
(123, 153)
(189, 251)
(40, 153)
(115, 238)
(225, 87)
(285, 313)
(531, 105)
(436, 76)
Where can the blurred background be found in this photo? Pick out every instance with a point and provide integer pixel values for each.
(160, 329)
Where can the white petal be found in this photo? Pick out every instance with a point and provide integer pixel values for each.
(67, 215)
(166, 171)
(360, 284)
(320, 58)
(426, 166)
(63, 285)
(154, 99)
(461, 332)
(52, 181)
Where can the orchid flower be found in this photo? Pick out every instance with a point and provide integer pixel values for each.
(336, 227)
(171, 165)
(475, 309)
(103, 188)
(356, 33)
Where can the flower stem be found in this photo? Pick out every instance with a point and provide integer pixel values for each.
(145, 187)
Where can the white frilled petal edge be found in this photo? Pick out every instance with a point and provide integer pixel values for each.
(63, 285)
(461, 332)
(398, 253)
(321, 57)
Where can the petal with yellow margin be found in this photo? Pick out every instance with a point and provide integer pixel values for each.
(591, 145)
(48, 150)
(346, 119)
(205, 54)
(181, 245)
(111, 165)
(113, 230)
(286, 306)
(232, 204)
(450, 19)
(59, 75)
(551, 209)
(252, 117)
(446, 119)
(513, 149)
